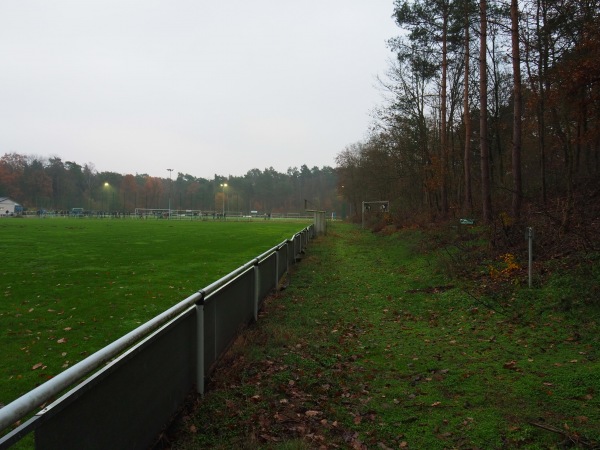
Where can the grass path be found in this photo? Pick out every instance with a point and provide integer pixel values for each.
(371, 347)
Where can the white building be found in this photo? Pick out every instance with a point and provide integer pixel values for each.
(9, 207)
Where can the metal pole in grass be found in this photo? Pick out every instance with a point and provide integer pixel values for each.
(530, 251)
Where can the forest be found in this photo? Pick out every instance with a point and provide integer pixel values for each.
(55, 185)
(492, 112)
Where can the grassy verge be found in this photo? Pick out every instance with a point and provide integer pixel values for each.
(72, 286)
(372, 346)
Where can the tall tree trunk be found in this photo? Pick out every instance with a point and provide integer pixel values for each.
(486, 195)
(517, 110)
(494, 135)
(541, 107)
(443, 110)
(468, 205)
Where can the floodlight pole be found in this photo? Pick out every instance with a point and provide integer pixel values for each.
(223, 185)
(170, 187)
(107, 186)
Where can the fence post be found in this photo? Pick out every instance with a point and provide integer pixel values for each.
(200, 345)
(298, 247)
(277, 261)
(290, 252)
(256, 288)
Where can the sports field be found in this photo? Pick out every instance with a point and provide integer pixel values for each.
(71, 286)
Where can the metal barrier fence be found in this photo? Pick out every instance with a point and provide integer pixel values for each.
(165, 214)
(124, 395)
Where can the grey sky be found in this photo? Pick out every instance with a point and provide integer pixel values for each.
(202, 87)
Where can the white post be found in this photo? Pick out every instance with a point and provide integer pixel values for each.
(530, 248)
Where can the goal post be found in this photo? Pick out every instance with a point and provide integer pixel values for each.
(160, 213)
(382, 206)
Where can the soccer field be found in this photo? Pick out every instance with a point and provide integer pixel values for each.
(72, 286)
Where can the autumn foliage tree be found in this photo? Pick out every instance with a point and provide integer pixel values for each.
(54, 184)
(488, 102)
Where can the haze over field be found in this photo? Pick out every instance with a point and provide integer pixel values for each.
(200, 87)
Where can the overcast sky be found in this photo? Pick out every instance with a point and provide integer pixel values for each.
(200, 87)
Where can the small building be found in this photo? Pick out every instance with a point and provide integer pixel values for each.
(9, 207)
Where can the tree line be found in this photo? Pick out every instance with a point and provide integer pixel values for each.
(492, 108)
(53, 184)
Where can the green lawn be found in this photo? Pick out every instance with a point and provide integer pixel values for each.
(72, 286)
(373, 345)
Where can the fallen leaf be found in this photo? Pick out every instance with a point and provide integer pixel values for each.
(61, 341)
(37, 366)
(511, 365)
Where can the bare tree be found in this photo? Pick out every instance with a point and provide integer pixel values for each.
(483, 122)
(517, 110)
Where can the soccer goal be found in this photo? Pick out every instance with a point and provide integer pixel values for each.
(381, 206)
(158, 213)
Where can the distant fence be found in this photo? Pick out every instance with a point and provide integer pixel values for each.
(172, 214)
(122, 396)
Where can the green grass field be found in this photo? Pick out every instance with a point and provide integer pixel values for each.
(72, 286)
